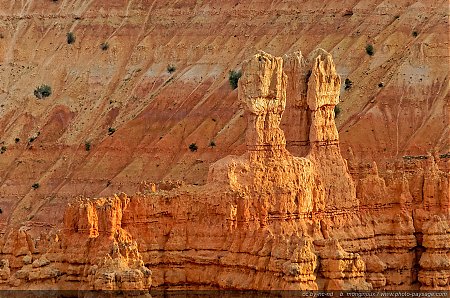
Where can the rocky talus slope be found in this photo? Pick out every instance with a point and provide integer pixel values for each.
(282, 215)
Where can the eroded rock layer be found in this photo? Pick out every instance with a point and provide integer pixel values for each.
(267, 219)
(156, 74)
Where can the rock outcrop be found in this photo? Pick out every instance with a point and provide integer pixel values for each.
(92, 252)
(5, 272)
(125, 85)
(96, 227)
(267, 219)
(341, 270)
(434, 262)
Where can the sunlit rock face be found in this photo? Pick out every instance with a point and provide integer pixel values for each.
(275, 205)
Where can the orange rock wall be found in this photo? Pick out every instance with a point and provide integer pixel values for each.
(285, 209)
(264, 220)
(157, 114)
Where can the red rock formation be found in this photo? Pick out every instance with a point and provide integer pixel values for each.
(157, 114)
(96, 227)
(434, 262)
(341, 270)
(93, 252)
(266, 219)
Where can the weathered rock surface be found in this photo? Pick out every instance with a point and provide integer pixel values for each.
(92, 252)
(93, 234)
(285, 214)
(434, 273)
(265, 220)
(157, 115)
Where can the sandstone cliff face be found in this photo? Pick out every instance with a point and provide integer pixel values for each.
(435, 260)
(92, 252)
(265, 220)
(270, 216)
(157, 114)
(116, 262)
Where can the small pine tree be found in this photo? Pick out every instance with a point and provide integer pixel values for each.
(193, 147)
(171, 68)
(104, 46)
(369, 50)
(70, 38)
(233, 78)
(43, 91)
(348, 84)
(111, 130)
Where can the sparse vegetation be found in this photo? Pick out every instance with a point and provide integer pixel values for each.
(111, 130)
(193, 147)
(171, 68)
(87, 145)
(415, 33)
(234, 77)
(446, 155)
(43, 91)
(35, 185)
(212, 144)
(348, 84)
(3, 149)
(369, 50)
(71, 38)
(337, 111)
(104, 46)
(33, 138)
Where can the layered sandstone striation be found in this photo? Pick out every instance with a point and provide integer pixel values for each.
(392, 213)
(289, 213)
(250, 227)
(91, 252)
(434, 262)
(125, 84)
(96, 227)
